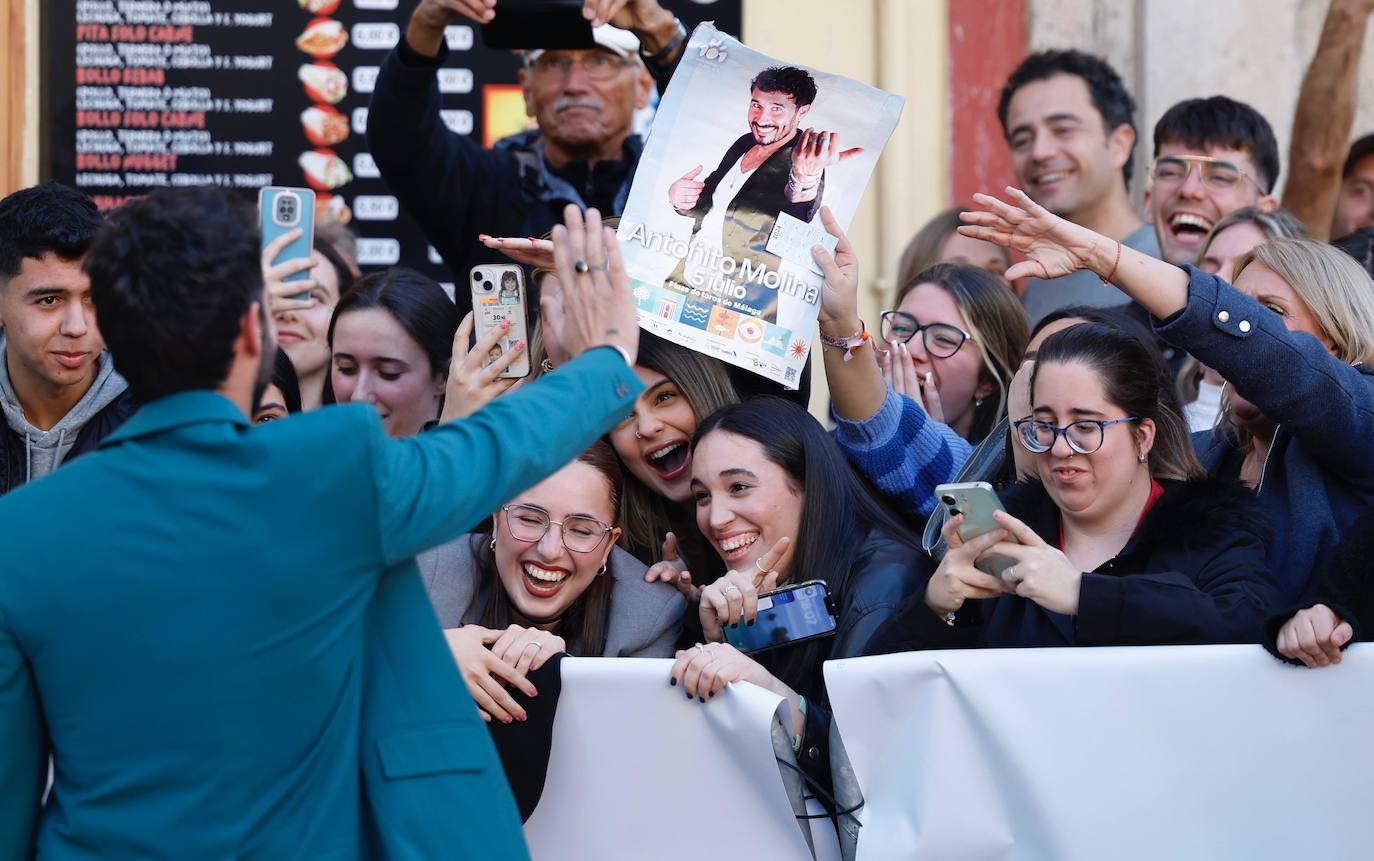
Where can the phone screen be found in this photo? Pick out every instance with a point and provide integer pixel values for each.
(786, 616)
(529, 24)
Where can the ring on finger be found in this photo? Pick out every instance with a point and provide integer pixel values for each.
(699, 647)
(758, 563)
(581, 267)
(1011, 573)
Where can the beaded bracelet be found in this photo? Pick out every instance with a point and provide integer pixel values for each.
(851, 344)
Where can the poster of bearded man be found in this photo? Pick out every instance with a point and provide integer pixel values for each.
(725, 205)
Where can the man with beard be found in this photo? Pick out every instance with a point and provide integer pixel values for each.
(1069, 122)
(771, 170)
(582, 152)
(218, 630)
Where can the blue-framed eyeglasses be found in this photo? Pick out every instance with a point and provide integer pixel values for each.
(1083, 436)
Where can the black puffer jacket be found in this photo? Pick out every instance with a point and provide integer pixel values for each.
(1193, 573)
(14, 472)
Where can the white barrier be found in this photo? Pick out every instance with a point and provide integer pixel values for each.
(639, 772)
(1208, 752)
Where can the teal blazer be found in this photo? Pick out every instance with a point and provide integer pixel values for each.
(218, 633)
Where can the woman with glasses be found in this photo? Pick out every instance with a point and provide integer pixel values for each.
(1122, 540)
(1294, 338)
(545, 577)
(949, 349)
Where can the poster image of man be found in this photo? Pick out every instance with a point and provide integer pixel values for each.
(775, 168)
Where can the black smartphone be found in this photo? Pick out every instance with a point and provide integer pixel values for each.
(527, 24)
(789, 615)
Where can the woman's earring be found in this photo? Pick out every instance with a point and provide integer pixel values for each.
(492, 545)
(978, 402)
(1140, 457)
(604, 566)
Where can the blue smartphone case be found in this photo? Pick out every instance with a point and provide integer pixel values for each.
(282, 209)
(789, 615)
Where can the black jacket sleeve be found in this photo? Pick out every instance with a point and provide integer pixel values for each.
(1222, 596)
(443, 180)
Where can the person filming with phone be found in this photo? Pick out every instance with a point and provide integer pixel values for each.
(1121, 540)
(583, 150)
(779, 504)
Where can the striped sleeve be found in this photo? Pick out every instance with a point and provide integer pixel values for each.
(903, 452)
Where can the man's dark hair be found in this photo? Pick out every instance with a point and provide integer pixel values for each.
(1359, 150)
(1109, 94)
(172, 275)
(795, 82)
(1219, 121)
(48, 218)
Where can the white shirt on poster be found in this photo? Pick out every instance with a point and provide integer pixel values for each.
(711, 235)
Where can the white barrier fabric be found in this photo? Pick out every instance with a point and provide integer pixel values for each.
(638, 771)
(1204, 752)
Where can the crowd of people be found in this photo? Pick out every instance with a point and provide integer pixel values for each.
(252, 522)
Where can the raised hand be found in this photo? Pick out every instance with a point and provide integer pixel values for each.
(471, 385)
(1053, 245)
(1314, 636)
(734, 598)
(816, 151)
(531, 252)
(673, 570)
(840, 293)
(283, 295)
(685, 192)
(1042, 573)
(592, 305)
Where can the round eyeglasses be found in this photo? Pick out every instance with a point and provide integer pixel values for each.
(940, 339)
(1083, 436)
(529, 524)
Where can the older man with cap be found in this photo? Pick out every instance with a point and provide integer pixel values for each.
(582, 152)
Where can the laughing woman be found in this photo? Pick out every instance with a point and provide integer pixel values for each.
(654, 444)
(544, 578)
(779, 504)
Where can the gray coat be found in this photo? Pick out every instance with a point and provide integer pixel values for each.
(645, 618)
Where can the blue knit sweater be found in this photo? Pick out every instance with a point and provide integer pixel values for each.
(903, 452)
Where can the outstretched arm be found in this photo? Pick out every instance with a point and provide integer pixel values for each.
(1054, 246)
(1324, 117)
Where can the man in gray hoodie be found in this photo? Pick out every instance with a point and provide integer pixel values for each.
(59, 392)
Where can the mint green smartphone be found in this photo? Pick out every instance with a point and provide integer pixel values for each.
(977, 501)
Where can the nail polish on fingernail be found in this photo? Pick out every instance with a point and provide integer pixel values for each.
(534, 692)
(506, 720)
(689, 696)
(750, 623)
(703, 699)
(672, 682)
(523, 717)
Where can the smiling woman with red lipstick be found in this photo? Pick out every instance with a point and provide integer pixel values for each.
(779, 504)
(545, 578)
(1124, 540)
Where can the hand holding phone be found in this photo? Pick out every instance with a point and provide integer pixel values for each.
(977, 502)
(789, 615)
(287, 221)
(732, 600)
(498, 303)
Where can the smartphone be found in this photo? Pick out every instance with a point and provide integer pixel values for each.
(498, 293)
(526, 24)
(789, 615)
(282, 209)
(977, 501)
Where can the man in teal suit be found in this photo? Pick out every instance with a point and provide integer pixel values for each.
(217, 631)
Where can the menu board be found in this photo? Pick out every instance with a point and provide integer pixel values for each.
(147, 94)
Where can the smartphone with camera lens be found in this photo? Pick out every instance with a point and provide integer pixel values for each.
(280, 210)
(789, 615)
(498, 294)
(977, 501)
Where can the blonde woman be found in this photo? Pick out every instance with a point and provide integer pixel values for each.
(1295, 339)
(1199, 387)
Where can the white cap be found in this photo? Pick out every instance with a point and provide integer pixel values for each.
(620, 42)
